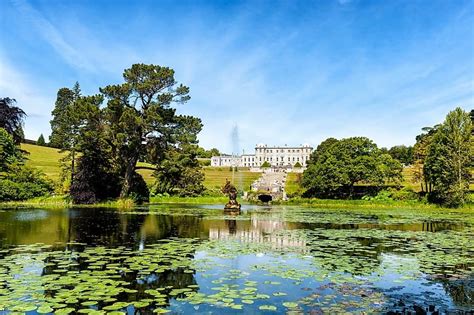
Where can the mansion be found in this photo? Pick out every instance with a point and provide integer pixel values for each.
(281, 156)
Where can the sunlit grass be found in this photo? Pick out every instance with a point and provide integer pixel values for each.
(215, 177)
(45, 159)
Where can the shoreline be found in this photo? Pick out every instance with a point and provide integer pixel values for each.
(63, 202)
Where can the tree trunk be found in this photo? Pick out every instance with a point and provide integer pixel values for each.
(127, 181)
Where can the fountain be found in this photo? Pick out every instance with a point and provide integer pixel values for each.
(231, 191)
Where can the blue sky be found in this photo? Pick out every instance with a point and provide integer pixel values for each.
(287, 72)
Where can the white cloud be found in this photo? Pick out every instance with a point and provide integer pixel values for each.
(17, 85)
(51, 35)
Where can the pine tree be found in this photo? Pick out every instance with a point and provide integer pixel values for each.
(41, 141)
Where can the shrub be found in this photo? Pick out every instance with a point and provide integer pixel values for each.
(392, 194)
(406, 193)
(24, 184)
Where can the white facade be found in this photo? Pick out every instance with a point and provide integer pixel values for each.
(226, 160)
(278, 156)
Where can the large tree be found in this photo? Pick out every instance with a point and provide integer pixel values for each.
(11, 118)
(141, 121)
(65, 125)
(449, 157)
(343, 163)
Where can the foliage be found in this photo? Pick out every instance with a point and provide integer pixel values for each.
(265, 164)
(342, 163)
(203, 153)
(140, 121)
(402, 153)
(95, 178)
(11, 118)
(448, 159)
(67, 119)
(179, 173)
(21, 183)
(10, 153)
(18, 182)
(41, 141)
(420, 151)
(392, 194)
(297, 165)
(204, 162)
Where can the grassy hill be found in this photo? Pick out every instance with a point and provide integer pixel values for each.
(47, 160)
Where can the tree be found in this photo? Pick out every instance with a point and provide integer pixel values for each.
(402, 153)
(449, 157)
(265, 165)
(11, 118)
(141, 121)
(41, 141)
(65, 125)
(10, 153)
(203, 153)
(297, 165)
(96, 179)
(420, 151)
(343, 163)
(180, 173)
(214, 152)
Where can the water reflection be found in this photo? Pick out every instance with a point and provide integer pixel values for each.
(113, 228)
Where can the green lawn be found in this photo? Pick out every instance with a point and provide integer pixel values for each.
(293, 184)
(215, 177)
(45, 159)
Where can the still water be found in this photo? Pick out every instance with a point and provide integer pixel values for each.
(198, 259)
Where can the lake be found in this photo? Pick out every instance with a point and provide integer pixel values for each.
(191, 259)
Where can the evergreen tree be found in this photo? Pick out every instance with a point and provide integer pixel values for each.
(11, 118)
(141, 121)
(65, 126)
(41, 141)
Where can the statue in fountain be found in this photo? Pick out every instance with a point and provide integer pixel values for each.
(231, 191)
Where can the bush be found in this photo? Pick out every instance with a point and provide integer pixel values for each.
(24, 183)
(406, 193)
(392, 194)
(384, 195)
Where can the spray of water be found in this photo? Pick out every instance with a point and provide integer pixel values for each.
(236, 178)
